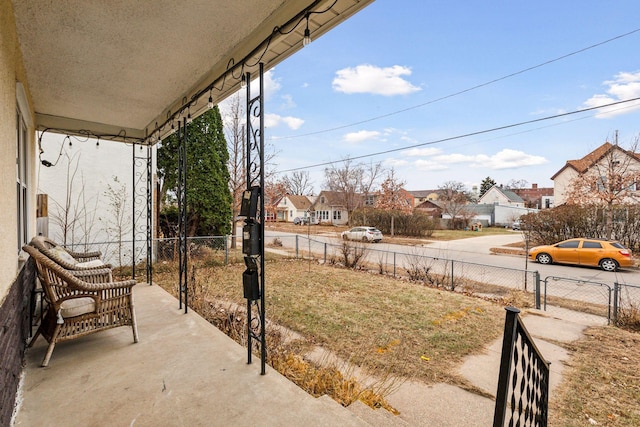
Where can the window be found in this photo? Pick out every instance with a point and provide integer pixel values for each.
(588, 244)
(337, 215)
(23, 122)
(601, 183)
(369, 200)
(570, 244)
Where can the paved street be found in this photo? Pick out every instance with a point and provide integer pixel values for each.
(473, 260)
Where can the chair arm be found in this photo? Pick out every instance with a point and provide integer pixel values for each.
(93, 275)
(92, 287)
(88, 256)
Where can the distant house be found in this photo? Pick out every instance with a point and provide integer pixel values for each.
(291, 206)
(536, 197)
(593, 163)
(430, 208)
(495, 214)
(497, 195)
(329, 208)
(420, 196)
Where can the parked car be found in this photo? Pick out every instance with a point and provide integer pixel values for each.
(301, 220)
(366, 234)
(606, 254)
(515, 225)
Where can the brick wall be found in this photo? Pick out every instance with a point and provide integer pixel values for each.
(14, 331)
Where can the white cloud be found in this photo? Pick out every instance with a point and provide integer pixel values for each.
(272, 120)
(366, 78)
(624, 86)
(395, 163)
(360, 136)
(287, 102)
(422, 152)
(271, 84)
(430, 165)
(505, 159)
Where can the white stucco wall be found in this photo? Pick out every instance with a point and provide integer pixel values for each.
(11, 72)
(95, 167)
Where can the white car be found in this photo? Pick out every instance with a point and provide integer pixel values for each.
(365, 234)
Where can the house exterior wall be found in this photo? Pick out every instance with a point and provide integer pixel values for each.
(561, 184)
(506, 215)
(327, 214)
(14, 289)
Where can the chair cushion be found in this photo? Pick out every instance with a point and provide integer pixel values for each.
(63, 255)
(96, 263)
(77, 306)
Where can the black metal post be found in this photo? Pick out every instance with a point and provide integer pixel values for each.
(253, 233)
(185, 216)
(142, 194)
(182, 214)
(616, 293)
(508, 341)
(537, 285)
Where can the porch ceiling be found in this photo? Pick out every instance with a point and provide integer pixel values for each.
(125, 67)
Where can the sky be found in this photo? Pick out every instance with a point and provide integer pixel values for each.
(459, 91)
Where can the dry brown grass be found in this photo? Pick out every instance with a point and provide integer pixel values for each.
(602, 382)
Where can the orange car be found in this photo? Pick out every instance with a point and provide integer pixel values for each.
(606, 254)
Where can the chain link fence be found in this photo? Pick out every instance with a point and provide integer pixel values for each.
(616, 303)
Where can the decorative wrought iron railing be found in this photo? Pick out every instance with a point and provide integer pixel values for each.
(523, 383)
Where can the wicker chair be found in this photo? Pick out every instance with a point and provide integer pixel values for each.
(80, 302)
(69, 260)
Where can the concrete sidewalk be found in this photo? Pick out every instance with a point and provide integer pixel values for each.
(477, 244)
(183, 372)
(449, 406)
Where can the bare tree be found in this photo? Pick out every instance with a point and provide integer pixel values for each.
(234, 127)
(517, 184)
(391, 197)
(453, 200)
(74, 215)
(119, 223)
(353, 181)
(611, 180)
(298, 183)
(273, 192)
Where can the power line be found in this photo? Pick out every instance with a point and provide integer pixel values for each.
(466, 135)
(542, 64)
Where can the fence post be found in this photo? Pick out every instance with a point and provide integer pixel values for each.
(325, 252)
(453, 286)
(394, 264)
(616, 292)
(297, 247)
(536, 277)
(226, 249)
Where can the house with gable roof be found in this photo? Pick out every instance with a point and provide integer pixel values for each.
(292, 206)
(596, 162)
(330, 207)
(497, 195)
(500, 206)
(420, 196)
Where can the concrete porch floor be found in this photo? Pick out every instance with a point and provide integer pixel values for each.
(182, 372)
